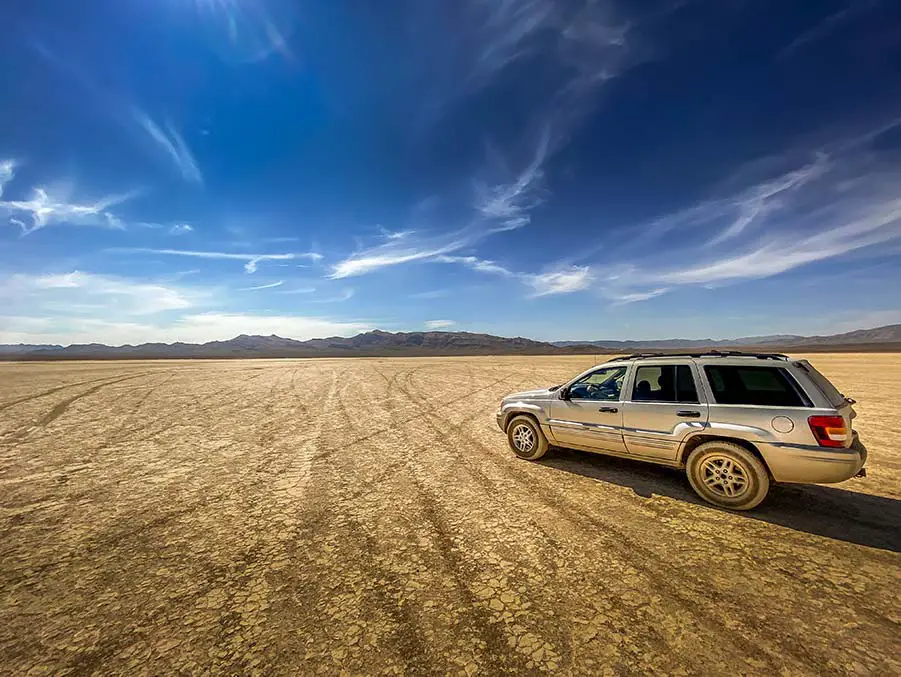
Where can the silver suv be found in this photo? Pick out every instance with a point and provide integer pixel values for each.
(735, 421)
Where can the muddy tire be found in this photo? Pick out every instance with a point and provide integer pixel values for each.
(526, 439)
(727, 475)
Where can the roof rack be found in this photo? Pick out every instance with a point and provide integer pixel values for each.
(704, 353)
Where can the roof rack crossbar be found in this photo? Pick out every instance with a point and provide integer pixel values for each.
(704, 353)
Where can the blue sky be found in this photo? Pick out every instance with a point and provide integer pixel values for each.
(195, 169)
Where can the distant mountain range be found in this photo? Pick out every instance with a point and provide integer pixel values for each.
(889, 334)
(382, 343)
(372, 343)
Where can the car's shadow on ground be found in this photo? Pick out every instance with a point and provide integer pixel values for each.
(873, 521)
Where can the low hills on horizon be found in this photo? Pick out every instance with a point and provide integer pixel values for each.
(379, 343)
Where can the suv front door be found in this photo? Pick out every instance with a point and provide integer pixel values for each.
(591, 415)
(663, 406)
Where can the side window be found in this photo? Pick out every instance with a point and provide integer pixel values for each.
(767, 386)
(664, 383)
(603, 384)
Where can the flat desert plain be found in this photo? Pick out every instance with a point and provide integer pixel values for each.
(364, 516)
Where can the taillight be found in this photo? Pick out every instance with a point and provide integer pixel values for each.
(830, 431)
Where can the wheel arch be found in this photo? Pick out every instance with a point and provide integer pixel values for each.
(695, 441)
(510, 415)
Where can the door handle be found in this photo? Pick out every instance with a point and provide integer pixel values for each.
(688, 414)
(608, 410)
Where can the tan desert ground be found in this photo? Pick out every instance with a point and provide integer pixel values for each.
(364, 516)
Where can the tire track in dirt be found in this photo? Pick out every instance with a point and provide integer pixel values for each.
(18, 436)
(475, 587)
(240, 586)
(624, 546)
(29, 398)
(639, 557)
(442, 555)
(373, 604)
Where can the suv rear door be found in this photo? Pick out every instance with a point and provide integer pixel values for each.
(663, 405)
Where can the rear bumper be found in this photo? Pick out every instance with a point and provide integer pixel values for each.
(814, 465)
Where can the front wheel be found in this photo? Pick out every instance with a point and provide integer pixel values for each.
(526, 439)
(727, 475)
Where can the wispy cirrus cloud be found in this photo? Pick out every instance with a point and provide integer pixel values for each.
(508, 204)
(171, 143)
(584, 40)
(827, 25)
(559, 280)
(757, 202)
(480, 265)
(259, 287)
(565, 281)
(391, 254)
(251, 264)
(181, 229)
(431, 294)
(433, 325)
(844, 201)
(44, 209)
(779, 253)
(577, 45)
(634, 297)
(7, 173)
(138, 123)
(249, 32)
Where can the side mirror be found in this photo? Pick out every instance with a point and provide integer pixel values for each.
(564, 393)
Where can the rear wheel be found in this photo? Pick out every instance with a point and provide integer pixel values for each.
(728, 475)
(526, 439)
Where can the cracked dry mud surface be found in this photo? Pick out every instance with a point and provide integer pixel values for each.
(364, 516)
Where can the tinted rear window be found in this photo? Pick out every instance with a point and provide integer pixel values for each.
(664, 383)
(768, 386)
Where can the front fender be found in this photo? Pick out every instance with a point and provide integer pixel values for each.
(511, 409)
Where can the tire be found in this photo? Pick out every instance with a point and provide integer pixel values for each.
(727, 475)
(526, 439)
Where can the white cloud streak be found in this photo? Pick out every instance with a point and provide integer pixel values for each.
(171, 143)
(635, 297)
(44, 210)
(434, 325)
(782, 253)
(509, 204)
(386, 255)
(251, 264)
(480, 265)
(431, 294)
(760, 200)
(564, 281)
(7, 173)
(181, 229)
(271, 285)
(827, 25)
(252, 33)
